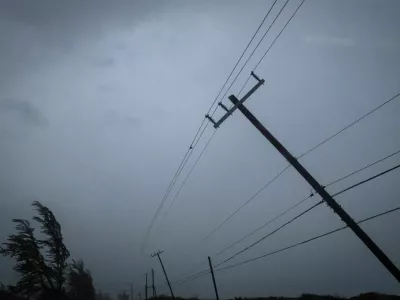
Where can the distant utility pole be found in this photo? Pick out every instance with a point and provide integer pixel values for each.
(152, 284)
(213, 277)
(145, 288)
(379, 254)
(140, 295)
(165, 273)
(131, 291)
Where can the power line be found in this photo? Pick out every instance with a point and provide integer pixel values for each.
(215, 100)
(264, 225)
(244, 204)
(248, 45)
(186, 279)
(252, 197)
(172, 183)
(305, 211)
(203, 273)
(306, 153)
(181, 165)
(241, 56)
(191, 170)
(308, 240)
(363, 168)
(254, 50)
(192, 145)
(303, 200)
(271, 233)
(348, 126)
(315, 205)
(223, 86)
(269, 48)
(366, 180)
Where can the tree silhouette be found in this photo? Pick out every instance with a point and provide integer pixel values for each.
(80, 282)
(123, 296)
(101, 296)
(39, 274)
(25, 249)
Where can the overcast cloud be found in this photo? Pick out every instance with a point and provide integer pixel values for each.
(99, 101)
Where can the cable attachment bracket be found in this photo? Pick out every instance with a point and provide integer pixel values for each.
(223, 106)
(256, 77)
(211, 119)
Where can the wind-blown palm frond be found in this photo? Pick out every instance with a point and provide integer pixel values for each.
(56, 250)
(25, 248)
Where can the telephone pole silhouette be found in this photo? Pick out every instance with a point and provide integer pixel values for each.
(165, 273)
(347, 219)
(213, 278)
(145, 288)
(152, 284)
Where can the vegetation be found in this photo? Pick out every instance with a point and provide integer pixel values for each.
(45, 273)
(42, 263)
(123, 296)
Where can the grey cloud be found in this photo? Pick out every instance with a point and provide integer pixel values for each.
(330, 41)
(24, 110)
(125, 85)
(105, 62)
(114, 118)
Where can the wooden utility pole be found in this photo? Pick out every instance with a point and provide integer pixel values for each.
(145, 288)
(165, 273)
(152, 284)
(379, 254)
(213, 278)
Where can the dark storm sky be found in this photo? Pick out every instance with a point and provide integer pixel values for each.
(99, 101)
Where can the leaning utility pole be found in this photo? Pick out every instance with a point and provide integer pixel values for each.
(165, 273)
(379, 254)
(213, 278)
(152, 284)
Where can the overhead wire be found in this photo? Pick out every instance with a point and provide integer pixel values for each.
(204, 272)
(264, 225)
(172, 183)
(190, 171)
(256, 47)
(304, 154)
(303, 200)
(281, 172)
(194, 276)
(279, 34)
(245, 203)
(306, 211)
(307, 241)
(241, 56)
(193, 145)
(348, 126)
(269, 48)
(363, 168)
(271, 233)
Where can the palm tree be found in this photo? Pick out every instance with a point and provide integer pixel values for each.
(44, 275)
(57, 252)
